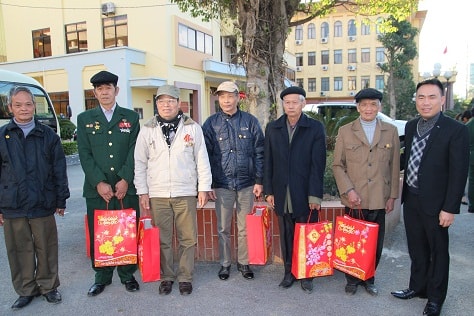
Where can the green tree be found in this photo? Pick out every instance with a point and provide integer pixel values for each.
(264, 27)
(400, 50)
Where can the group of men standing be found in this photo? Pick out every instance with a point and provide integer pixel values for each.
(171, 166)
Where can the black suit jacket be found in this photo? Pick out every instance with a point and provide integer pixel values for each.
(443, 168)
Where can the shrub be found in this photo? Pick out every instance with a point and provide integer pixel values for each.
(69, 147)
(330, 187)
(67, 128)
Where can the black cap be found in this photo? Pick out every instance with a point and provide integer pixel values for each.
(368, 93)
(104, 77)
(292, 90)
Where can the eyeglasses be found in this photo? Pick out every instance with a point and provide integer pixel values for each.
(167, 101)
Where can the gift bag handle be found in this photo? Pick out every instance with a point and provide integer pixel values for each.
(359, 211)
(121, 204)
(311, 213)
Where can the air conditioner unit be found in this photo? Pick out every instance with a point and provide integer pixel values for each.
(352, 38)
(298, 42)
(324, 40)
(108, 8)
(380, 64)
(324, 67)
(352, 93)
(227, 42)
(299, 68)
(323, 93)
(351, 67)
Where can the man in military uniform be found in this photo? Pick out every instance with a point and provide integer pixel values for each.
(106, 137)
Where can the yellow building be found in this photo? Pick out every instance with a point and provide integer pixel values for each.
(338, 55)
(147, 43)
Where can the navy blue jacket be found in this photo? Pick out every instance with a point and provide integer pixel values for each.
(235, 146)
(298, 166)
(33, 174)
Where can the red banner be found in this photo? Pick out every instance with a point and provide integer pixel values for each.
(355, 243)
(312, 250)
(115, 237)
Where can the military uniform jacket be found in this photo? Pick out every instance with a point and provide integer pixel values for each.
(106, 148)
(373, 170)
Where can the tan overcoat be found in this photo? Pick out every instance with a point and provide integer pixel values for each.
(372, 170)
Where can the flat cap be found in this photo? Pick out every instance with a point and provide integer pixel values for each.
(227, 86)
(292, 90)
(167, 89)
(368, 93)
(104, 77)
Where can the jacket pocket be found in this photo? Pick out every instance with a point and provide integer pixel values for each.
(9, 197)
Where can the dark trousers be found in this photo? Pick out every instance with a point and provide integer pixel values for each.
(286, 224)
(428, 246)
(373, 216)
(103, 275)
(32, 248)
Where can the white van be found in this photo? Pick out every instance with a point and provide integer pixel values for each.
(44, 107)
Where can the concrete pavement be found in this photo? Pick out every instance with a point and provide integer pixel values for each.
(238, 296)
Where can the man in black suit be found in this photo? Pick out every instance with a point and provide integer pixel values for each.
(436, 165)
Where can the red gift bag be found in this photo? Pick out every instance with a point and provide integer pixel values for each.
(88, 239)
(312, 250)
(148, 250)
(115, 239)
(258, 234)
(355, 243)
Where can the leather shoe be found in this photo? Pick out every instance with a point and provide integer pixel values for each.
(132, 285)
(470, 210)
(22, 301)
(432, 309)
(97, 288)
(53, 297)
(224, 273)
(407, 294)
(371, 289)
(288, 281)
(350, 288)
(307, 285)
(185, 288)
(166, 287)
(245, 270)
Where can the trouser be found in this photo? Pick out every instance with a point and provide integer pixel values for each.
(224, 211)
(178, 213)
(428, 246)
(286, 224)
(103, 275)
(32, 248)
(373, 216)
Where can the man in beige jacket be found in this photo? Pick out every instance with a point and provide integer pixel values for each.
(367, 170)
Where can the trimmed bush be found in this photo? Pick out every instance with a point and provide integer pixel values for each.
(67, 128)
(70, 148)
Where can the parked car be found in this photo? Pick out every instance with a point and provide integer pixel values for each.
(332, 108)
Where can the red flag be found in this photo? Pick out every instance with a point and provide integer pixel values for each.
(445, 50)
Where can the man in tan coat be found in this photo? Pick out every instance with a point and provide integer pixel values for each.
(367, 170)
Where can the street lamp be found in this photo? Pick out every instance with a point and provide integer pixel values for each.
(448, 75)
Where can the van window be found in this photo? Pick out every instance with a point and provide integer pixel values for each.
(44, 108)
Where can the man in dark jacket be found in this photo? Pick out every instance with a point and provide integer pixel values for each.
(106, 137)
(295, 159)
(234, 141)
(436, 161)
(34, 185)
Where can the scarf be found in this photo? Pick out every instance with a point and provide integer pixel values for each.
(169, 127)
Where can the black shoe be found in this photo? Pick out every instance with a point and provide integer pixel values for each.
(350, 288)
(307, 285)
(371, 289)
(166, 287)
(288, 281)
(53, 297)
(407, 294)
(97, 288)
(224, 273)
(470, 210)
(185, 288)
(22, 301)
(245, 270)
(432, 309)
(132, 285)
